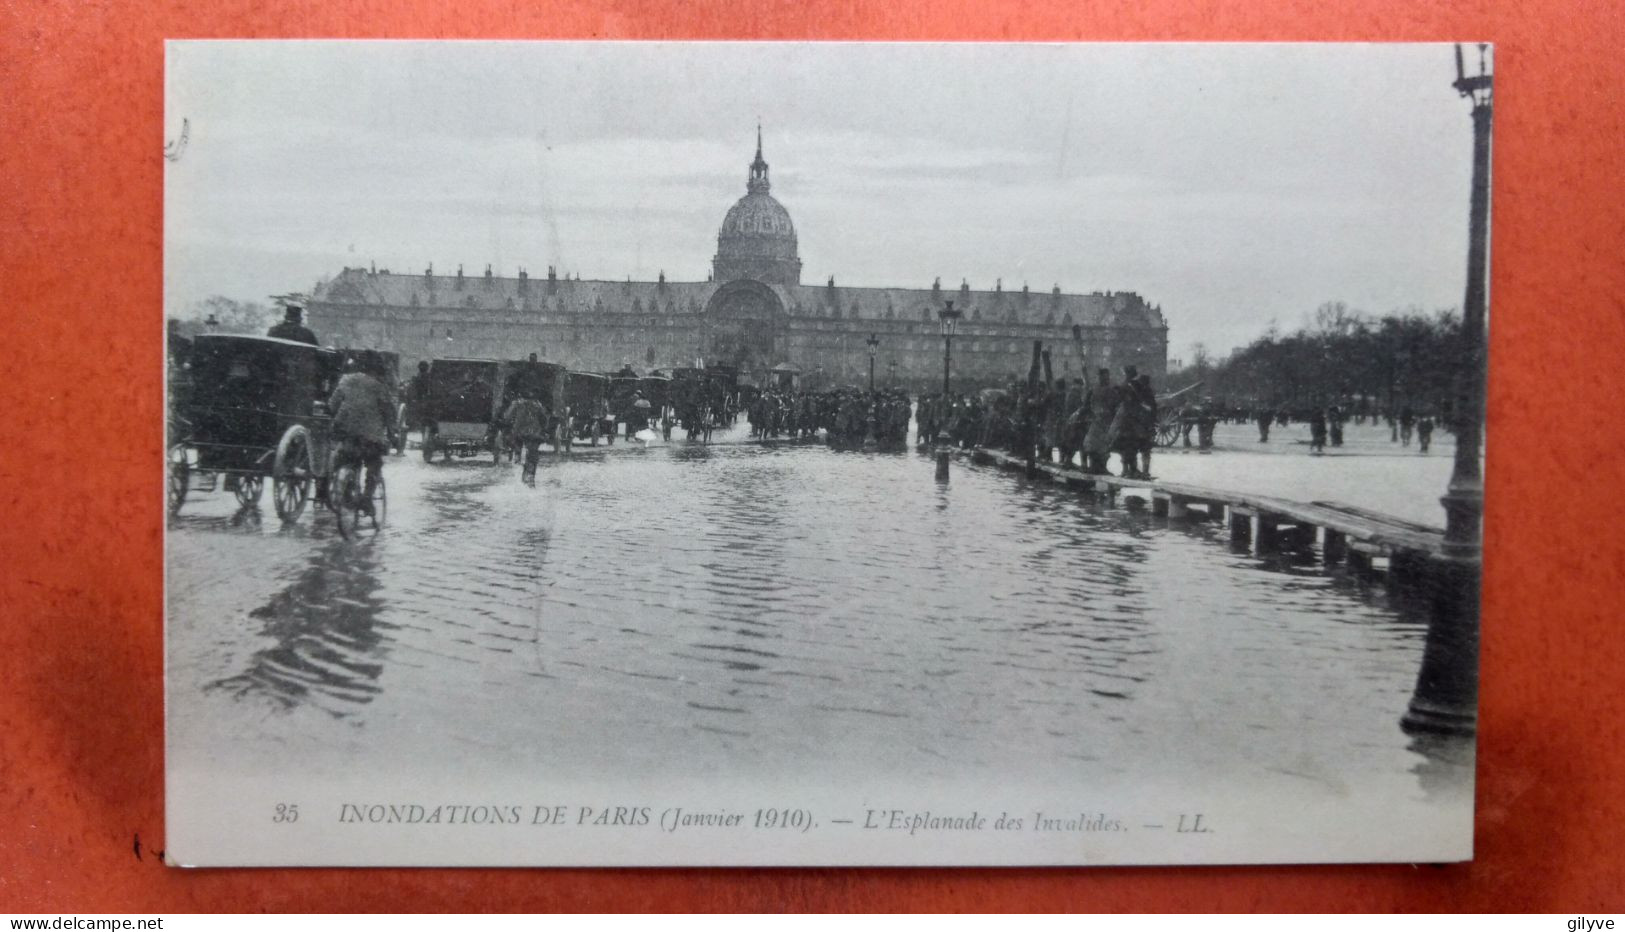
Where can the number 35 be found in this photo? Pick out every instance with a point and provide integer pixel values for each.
(286, 812)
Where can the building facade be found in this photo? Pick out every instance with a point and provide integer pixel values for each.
(753, 312)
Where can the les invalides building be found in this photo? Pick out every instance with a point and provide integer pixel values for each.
(753, 313)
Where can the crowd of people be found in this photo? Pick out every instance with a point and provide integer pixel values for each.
(848, 416)
(1083, 423)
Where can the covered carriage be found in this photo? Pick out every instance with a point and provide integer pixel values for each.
(461, 405)
(586, 395)
(252, 408)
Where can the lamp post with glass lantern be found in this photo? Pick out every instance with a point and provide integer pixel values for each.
(949, 319)
(873, 343)
(1446, 697)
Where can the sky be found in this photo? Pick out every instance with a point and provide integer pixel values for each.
(1235, 186)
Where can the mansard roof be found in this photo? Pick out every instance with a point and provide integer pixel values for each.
(364, 287)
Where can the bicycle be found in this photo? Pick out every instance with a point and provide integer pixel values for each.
(354, 509)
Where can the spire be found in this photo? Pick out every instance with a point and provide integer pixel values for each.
(758, 169)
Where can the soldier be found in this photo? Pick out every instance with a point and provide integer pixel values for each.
(1098, 441)
(1317, 431)
(1424, 432)
(1145, 433)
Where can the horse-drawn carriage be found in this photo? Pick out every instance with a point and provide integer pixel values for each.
(461, 406)
(692, 402)
(1172, 418)
(250, 408)
(586, 394)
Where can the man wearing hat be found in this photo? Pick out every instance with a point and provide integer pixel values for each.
(363, 416)
(1098, 441)
(293, 327)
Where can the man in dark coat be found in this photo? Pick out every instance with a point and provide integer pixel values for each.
(293, 327)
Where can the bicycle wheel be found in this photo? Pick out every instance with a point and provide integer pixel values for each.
(357, 514)
(342, 499)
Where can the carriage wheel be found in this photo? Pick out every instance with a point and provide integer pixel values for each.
(292, 475)
(1168, 432)
(248, 490)
(180, 479)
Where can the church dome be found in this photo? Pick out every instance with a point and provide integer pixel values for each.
(758, 217)
(757, 239)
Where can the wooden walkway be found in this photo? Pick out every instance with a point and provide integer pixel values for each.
(1369, 543)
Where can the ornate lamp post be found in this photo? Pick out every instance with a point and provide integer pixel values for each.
(873, 343)
(1446, 696)
(1464, 502)
(949, 319)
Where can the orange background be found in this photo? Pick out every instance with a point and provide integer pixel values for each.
(80, 564)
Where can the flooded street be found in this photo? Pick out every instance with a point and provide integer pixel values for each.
(772, 611)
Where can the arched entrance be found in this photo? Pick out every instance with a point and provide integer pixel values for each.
(744, 322)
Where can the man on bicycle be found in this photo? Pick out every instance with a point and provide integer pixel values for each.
(363, 416)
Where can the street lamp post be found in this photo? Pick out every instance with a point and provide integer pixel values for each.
(949, 318)
(1446, 696)
(869, 435)
(873, 343)
(1464, 501)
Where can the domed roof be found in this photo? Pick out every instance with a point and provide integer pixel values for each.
(757, 239)
(757, 214)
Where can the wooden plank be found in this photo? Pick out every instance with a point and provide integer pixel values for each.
(1353, 525)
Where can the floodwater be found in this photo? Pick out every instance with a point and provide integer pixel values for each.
(783, 611)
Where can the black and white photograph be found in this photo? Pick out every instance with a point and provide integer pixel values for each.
(748, 453)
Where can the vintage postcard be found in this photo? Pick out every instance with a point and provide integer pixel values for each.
(594, 453)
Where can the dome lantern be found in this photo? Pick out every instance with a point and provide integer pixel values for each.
(757, 240)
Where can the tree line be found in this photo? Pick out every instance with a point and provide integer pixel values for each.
(1363, 364)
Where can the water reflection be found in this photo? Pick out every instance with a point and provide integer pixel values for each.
(791, 607)
(327, 630)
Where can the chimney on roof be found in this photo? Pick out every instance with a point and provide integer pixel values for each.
(428, 272)
(375, 267)
(552, 280)
(662, 278)
(831, 281)
(524, 280)
(487, 274)
(936, 287)
(1056, 291)
(998, 285)
(1024, 290)
(459, 276)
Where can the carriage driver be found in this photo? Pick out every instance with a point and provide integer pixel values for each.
(293, 326)
(363, 414)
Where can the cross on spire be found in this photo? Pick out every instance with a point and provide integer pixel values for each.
(758, 183)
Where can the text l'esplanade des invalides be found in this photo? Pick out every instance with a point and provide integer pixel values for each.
(753, 313)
